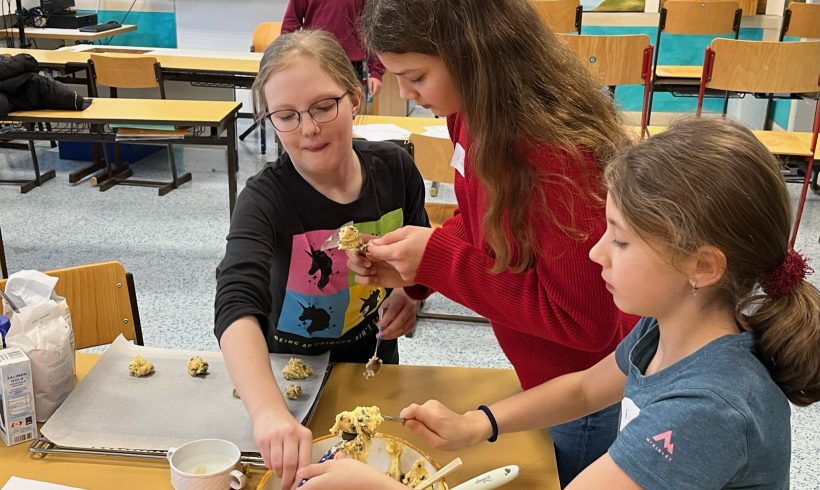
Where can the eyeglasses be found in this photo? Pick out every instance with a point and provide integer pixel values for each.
(321, 111)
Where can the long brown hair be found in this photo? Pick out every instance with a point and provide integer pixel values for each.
(318, 46)
(711, 182)
(519, 85)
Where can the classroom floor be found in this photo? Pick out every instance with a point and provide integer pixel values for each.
(172, 245)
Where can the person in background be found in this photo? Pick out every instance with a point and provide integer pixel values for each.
(340, 18)
(532, 132)
(730, 334)
(277, 290)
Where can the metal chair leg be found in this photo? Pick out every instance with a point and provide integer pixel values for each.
(247, 132)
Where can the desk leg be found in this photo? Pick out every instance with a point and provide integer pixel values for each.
(233, 163)
(84, 172)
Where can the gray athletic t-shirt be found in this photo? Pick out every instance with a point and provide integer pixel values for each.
(714, 419)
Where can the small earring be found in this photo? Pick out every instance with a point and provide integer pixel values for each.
(694, 287)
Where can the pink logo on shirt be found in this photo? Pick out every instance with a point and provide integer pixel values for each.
(666, 448)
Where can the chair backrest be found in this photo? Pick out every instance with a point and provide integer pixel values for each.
(762, 66)
(560, 15)
(102, 301)
(264, 34)
(801, 20)
(617, 60)
(125, 71)
(432, 156)
(700, 17)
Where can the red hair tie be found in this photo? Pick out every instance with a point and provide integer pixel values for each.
(785, 277)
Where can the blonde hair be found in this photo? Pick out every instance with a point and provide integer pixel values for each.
(317, 46)
(711, 182)
(519, 86)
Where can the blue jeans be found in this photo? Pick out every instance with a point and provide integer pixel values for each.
(580, 442)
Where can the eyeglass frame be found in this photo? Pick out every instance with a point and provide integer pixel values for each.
(299, 113)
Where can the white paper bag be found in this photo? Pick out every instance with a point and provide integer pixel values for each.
(42, 329)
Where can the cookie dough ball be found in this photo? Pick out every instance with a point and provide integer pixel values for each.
(296, 369)
(417, 474)
(140, 367)
(197, 366)
(293, 392)
(349, 238)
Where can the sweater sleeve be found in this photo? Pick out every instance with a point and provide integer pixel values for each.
(375, 68)
(561, 298)
(243, 276)
(294, 15)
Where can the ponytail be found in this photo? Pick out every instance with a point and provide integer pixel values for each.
(787, 329)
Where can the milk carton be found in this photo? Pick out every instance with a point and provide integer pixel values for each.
(17, 421)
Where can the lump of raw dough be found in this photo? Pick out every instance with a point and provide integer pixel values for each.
(349, 238)
(197, 366)
(417, 474)
(394, 449)
(140, 367)
(293, 392)
(296, 369)
(362, 421)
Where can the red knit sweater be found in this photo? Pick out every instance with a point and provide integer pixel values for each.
(550, 320)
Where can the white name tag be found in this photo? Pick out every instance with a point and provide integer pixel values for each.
(629, 411)
(458, 159)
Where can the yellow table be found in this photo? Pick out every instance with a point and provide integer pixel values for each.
(395, 387)
(215, 120)
(416, 125)
(67, 34)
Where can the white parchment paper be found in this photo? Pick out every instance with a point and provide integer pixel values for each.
(113, 410)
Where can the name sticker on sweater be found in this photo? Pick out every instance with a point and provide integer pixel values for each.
(629, 411)
(458, 159)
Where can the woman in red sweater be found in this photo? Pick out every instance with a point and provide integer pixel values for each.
(532, 131)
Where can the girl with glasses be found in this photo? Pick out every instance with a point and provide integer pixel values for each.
(277, 290)
(532, 131)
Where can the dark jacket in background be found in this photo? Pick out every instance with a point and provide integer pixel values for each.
(22, 88)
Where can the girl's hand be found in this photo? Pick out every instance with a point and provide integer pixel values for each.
(398, 315)
(444, 428)
(344, 474)
(401, 250)
(284, 444)
(372, 273)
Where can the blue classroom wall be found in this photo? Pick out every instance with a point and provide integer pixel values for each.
(154, 29)
(675, 50)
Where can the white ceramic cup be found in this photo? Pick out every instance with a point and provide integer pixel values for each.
(205, 464)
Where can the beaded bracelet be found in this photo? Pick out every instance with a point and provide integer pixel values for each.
(493, 423)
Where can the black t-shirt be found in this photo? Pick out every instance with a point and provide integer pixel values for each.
(305, 299)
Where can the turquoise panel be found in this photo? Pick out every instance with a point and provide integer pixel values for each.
(154, 29)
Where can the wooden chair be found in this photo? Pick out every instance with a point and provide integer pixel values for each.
(432, 156)
(561, 16)
(102, 301)
(801, 20)
(130, 72)
(691, 17)
(617, 60)
(264, 34)
(759, 67)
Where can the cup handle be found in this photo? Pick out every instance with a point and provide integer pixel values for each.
(171, 451)
(239, 479)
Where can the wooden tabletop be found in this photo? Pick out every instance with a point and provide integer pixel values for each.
(60, 58)
(138, 111)
(416, 125)
(75, 34)
(395, 386)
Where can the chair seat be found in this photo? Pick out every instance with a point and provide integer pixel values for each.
(438, 213)
(785, 143)
(679, 71)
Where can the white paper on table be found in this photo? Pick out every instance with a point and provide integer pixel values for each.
(17, 483)
(111, 409)
(380, 132)
(440, 131)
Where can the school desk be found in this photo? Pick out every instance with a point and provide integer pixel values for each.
(68, 34)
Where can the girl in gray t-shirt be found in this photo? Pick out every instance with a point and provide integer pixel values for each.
(697, 243)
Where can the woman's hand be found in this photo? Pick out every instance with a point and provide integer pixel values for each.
(392, 260)
(285, 445)
(345, 474)
(444, 428)
(397, 315)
